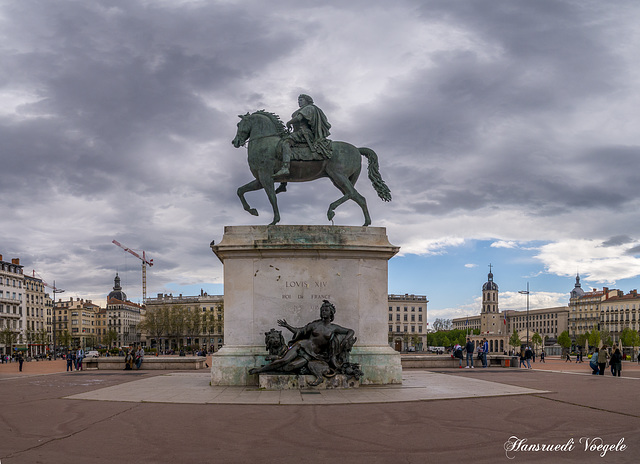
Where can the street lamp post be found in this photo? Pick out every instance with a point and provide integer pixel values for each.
(526, 292)
(55, 291)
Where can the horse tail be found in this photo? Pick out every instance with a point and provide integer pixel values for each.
(374, 174)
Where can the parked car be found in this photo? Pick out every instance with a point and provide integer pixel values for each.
(92, 354)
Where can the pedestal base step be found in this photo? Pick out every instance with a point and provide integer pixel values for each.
(302, 382)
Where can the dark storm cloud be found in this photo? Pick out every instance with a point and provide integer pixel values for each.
(633, 251)
(127, 109)
(617, 240)
(492, 122)
(120, 84)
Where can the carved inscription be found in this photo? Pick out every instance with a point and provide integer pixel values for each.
(317, 285)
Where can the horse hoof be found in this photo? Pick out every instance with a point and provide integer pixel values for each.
(253, 211)
(366, 224)
(330, 215)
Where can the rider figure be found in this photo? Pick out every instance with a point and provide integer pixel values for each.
(310, 127)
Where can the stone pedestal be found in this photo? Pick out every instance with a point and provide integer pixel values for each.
(303, 382)
(284, 272)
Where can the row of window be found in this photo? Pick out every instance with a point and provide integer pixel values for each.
(406, 328)
(406, 308)
(16, 309)
(11, 296)
(406, 317)
(10, 282)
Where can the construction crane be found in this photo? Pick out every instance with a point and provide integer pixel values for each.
(145, 261)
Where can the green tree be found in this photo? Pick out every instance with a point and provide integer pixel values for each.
(43, 337)
(8, 338)
(564, 340)
(176, 323)
(192, 323)
(581, 339)
(536, 340)
(110, 337)
(65, 339)
(606, 337)
(595, 337)
(629, 337)
(514, 340)
(156, 323)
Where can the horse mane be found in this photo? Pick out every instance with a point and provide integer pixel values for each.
(277, 122)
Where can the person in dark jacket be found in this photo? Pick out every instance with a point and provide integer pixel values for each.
(469, 349)
(528, 354)
(616, 362)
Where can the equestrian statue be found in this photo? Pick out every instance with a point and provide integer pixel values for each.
(301, 152)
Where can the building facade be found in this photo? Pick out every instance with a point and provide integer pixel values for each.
(37, 335)
(75, 323)
(498, 326)
(123, 317)
(408, 322)
(198, 322)
(12, 313)
(618, 312)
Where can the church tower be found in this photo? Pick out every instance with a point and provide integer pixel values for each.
(490, 320)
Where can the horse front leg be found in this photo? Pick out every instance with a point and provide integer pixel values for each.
(266, 180)
(250, 187)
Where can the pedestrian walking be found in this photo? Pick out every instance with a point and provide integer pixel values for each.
(528, 354)
(69, 364)
(522, 358)
(79, 357)
(542, 356)
(20, 360)
(485, 350)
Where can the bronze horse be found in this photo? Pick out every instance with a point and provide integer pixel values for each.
(265, 131)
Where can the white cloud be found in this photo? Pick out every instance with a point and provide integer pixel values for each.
(602, 265)
(504, 244)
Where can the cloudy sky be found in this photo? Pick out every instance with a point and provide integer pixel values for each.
(506, 130)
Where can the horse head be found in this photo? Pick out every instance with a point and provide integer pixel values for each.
(243, 132)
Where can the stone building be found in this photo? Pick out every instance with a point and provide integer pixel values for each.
(584, 309)
(408, 322)
(498, 326)
(203, 313)
(75, 323)
(122, 316)
(618, 312)
(37, 334)
(12, 314)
